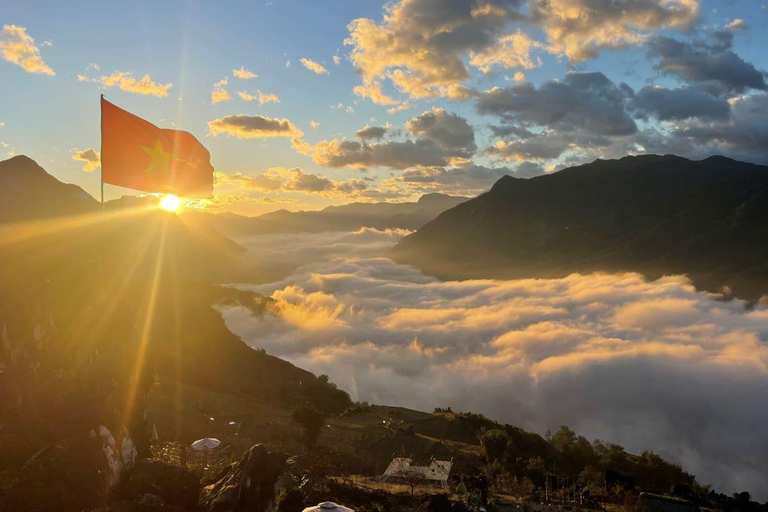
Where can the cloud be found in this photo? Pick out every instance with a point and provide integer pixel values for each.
(541, 146)
(281, 179)
(421, 47)
(372, 132)
(253, 127)
(336, 60)
(712, 66)
(393, 154)
(442, 139)
(400, 108)
(743, 134)
(314, 124)
(449, 130)
(676, 104)
(581, 101)
(126, 82)
(736, 24)
(314, 67)
(509, 52)
(466, 180)
(244, 74)
(652, 365)
(262, 183)
(282, 254)
(90, 157)
(18, 47)
(259, 96)
(373, 92)
(219, 94)
(580, 29)
(218, 201)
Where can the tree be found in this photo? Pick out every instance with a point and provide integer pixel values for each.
(611, 455)
(536, 466)
(311, 421)
(494, 443)
(409, 476)
(592, 480)
(575, 447)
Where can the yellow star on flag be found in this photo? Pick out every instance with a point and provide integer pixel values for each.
(159, 158)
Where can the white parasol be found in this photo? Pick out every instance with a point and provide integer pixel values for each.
(328, 506)
(206, 443)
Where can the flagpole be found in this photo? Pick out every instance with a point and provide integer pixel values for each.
(101, 150)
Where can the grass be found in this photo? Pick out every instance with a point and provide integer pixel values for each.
(183, 413)
(372, 483)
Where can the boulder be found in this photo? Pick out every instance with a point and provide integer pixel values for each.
(250, 483)
(67, 476)
(175, 486)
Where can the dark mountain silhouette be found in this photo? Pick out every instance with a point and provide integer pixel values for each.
(28, 192)
(652, 214)
(348, 217)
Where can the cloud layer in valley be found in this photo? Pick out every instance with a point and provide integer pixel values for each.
(650, 365)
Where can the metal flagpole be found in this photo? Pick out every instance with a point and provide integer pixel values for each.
(101, 150)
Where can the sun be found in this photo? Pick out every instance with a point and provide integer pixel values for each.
(170, 203)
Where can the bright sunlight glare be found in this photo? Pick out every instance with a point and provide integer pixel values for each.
(170, 203)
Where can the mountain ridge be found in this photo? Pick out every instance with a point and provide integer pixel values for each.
(651, 214)
(347, 217)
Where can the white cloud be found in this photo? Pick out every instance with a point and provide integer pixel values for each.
(736, 24)
(243, 74)
(126, 82)
(651, 365)
(219, 94)
(18, 47)
(313, 66)
(261, 97)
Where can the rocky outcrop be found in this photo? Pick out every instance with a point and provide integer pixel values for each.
(249, 484)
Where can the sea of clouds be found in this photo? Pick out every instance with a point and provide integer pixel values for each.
(650, 365)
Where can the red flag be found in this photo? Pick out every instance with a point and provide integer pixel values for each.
(137, 154)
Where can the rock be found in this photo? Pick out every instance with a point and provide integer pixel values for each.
(147, 500)
(173, 485)
(250, 483)
(291, 501)
(69, 475)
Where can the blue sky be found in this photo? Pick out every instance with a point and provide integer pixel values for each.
(193, 45)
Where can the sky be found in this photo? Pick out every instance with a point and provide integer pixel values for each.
(304, 104)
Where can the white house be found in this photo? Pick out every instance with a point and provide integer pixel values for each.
(402, 467)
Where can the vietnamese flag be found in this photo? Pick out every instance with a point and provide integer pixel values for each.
(137, 154)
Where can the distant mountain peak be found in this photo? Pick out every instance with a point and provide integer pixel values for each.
(27, 191)
(20, 163)
(434, 196)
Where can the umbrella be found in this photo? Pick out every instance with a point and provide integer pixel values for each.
(328, 506)
(206, 443)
